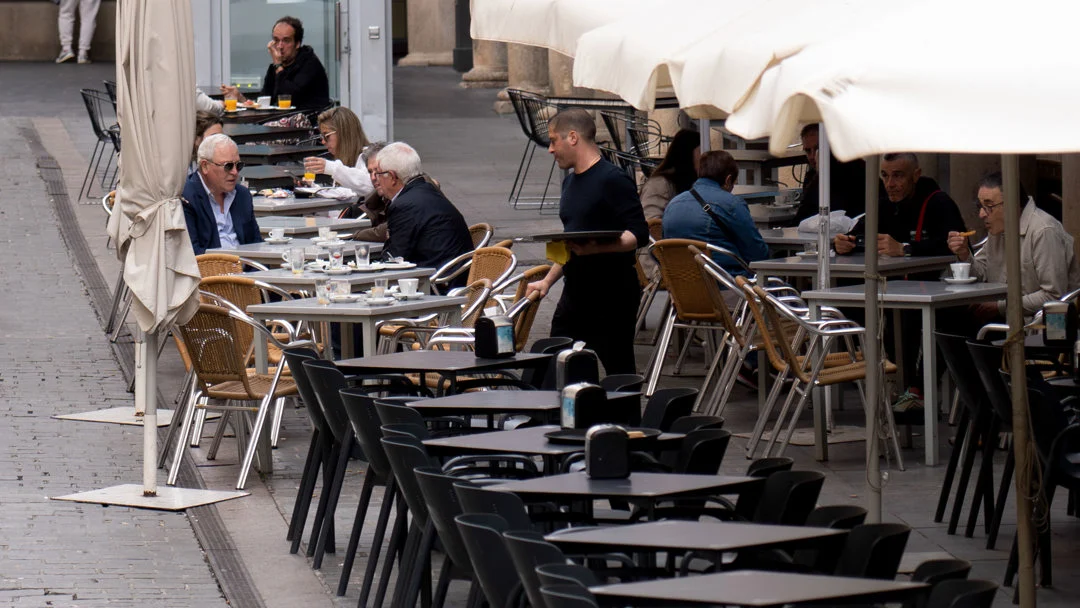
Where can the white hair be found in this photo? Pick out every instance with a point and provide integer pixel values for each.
(210, 144)
(400, 158)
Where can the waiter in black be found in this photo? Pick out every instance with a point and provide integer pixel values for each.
(601, 291)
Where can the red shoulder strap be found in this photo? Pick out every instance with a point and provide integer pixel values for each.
(922, 216)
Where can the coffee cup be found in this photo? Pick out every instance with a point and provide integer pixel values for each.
(407, 287)
(324, 232)
(263, 101)
(961, 270)
(277, 233)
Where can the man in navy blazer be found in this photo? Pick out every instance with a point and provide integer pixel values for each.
(218, 211)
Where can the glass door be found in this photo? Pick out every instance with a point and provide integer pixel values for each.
(250, 23)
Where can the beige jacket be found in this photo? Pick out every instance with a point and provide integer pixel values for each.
(1048, 265)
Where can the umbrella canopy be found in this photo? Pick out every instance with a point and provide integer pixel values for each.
(983, 77)
(155, 77)
(552, 24)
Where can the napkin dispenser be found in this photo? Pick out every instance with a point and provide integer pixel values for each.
(607, 452)
(576, 364)
(494, 337)
(1059, 324)
(580, 405)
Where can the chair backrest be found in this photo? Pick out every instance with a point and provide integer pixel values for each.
(523, 323)
(326, 382)
(1051, 431)
(360, 408)
(711, 275)
(110, 90)
(962, 594)
(492, 564)
(405, 455)
(773, 339)
(443, 506)
(693, 422)
(102, 115)
(295, 358)
(495, 264)
(481, 234)
(539, 375)
(764, 467)
(668, 405)
(241, 291)
(528, 549)
(215, 348)
(404, 429)
(656, 228)
(936, 570)
(216, 264)
(566, 574)
(476, 294)
(622, 382)
(962, 370)
(838, 517)
(702, 451)
(873, 551)
(568, 596)
(986, 358)
(683, 279)
(393, 413)
(538, 111)
(507, 505)
(615, 124)
(519, 110)
(789, 497)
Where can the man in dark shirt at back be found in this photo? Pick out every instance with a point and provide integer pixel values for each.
(294, 69)
(601, 291)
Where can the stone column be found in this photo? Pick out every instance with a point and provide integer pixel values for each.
(528, 71)
(1070, 196)
(489, 69)
(431, 33)
(561, 75)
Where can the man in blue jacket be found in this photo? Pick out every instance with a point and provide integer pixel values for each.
(686, 218)
(219, 212)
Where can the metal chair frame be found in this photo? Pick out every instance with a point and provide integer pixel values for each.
(530, 110)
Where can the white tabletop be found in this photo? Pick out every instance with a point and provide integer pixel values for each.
(295, 206)
(912, 293)
(789, 236)
(852, 266)
(309, 309)
(285, 278)
(271, 254)
(306, 226)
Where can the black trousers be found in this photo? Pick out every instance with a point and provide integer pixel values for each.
(601, 314)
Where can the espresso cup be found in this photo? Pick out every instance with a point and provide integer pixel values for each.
(277, 233)
(961, 270)
(407, 287)
(263, 101)
(324, 232)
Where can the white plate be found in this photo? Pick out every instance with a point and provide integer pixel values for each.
(813, 254)
(338, 271)
(281, 241)
(415, 296)
(376, 267)
(380, 301)
(955, 281)
(346, 299)
(238, 109)
(315, 266)
(398, 265)
(328, 244)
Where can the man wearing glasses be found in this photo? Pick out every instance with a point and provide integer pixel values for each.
(294, 69)
(1048, 266)
(218, 211)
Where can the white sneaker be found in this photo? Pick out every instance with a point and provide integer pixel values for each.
(65, 55)
(84, 57)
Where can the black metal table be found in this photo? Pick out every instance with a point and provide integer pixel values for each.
(263, 154)
(756, 589)
(247, 133)
(543, 405)
(272, 176)
(449, 364)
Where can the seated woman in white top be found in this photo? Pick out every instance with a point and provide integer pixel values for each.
(345, 140)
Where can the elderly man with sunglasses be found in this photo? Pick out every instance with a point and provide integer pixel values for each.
(218, 211)
(1048, 265)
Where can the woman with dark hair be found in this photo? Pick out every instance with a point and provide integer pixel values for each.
(345, 140)
(206, 124)
(675, 174)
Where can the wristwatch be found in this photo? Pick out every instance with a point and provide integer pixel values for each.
(907, 249)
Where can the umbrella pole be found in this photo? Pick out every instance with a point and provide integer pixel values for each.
(872, 348)
(146, 392)
(822, 398)
(1010, 172)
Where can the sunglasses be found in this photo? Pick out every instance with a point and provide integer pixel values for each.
(229, 166)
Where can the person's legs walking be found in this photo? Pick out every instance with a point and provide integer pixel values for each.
(66, 23)
(88, 10)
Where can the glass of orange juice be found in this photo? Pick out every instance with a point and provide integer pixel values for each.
(230, 105)
(284, 101)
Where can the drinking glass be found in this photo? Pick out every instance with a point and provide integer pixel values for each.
(324, 232)
(230, 105)
(363, 255)
(284, 101)
(322, 290)
(335, 256)
(340, 287)
(379, 289)
(295, 257)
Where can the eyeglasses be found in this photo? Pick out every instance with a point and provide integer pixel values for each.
(327, 134)
(378, 173)
(979, 207)
(229, 166)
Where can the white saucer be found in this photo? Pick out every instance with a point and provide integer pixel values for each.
(383, 301)
(328, 244)
(813, 254)
(338, 271)
(238, 109)
(281, 241)
(376, 267)
(398, 265)
(955, 281)
(415, 296)
(315, 266)
(346, 299)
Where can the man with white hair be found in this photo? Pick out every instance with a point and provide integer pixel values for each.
(423, 226)
(218, 211)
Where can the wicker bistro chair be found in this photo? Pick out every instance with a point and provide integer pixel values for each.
(520, 282)
(493, 263)
(218, 357)
(521, 314)
(216, 264)
(649, 277)
(477, 293)
(810, 370)
(481, 234)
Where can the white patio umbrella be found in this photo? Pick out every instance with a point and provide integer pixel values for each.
(155, 75)
(552, 24)
(985, 77)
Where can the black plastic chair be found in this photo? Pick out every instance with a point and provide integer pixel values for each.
(536, 376)
(974, 425)
(326, 382)
(986, 358)
(936, 570)
(102, 120)
(668, 405)
(789, 497)
(443, 507)
(568, 596)
(360, 409)
(873, 551)
(405, 429)
(701, 452)
(318, 450)
(628, 383)
(396, 413)
(566, 574)
(492, 564)
(763, 467)
(836, 517)
(685, 424)
(528, 550)
(405, 455)
(962, 594)
(507, 505)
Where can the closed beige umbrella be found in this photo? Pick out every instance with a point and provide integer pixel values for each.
(155, 76)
